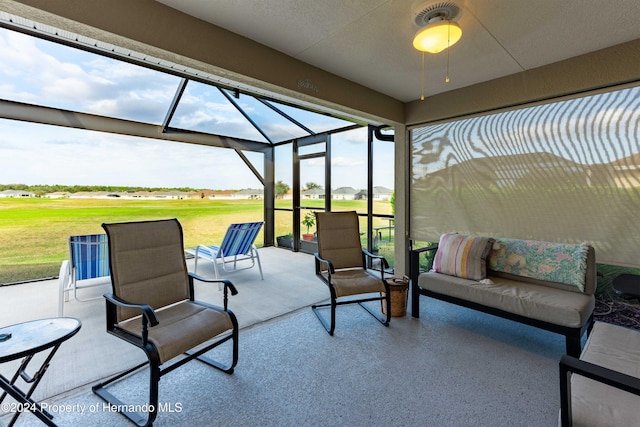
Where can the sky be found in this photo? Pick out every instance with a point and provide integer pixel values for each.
(44, 73)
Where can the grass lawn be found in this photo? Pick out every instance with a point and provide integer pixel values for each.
(34, 232)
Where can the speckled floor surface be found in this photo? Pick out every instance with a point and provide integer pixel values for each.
(451, 367)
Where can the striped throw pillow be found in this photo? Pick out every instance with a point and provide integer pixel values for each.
(463, 255)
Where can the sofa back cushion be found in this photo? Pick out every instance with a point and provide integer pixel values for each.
(546, 261)
(463, 255)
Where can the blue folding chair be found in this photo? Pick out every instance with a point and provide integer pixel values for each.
(237, 245)
(88, 259)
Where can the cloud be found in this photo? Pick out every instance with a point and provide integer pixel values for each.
(41, 72)
(39, 154)
(81, 81)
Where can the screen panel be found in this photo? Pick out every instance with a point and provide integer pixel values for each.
(567, 171)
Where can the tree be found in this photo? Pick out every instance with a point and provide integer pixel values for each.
(281, 189)
(393, 202)
(311, 185)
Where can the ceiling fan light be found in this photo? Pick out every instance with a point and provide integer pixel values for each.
(437, 36)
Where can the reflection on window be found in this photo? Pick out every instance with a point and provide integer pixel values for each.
(276, 126)
(203, 108)
(318, 123)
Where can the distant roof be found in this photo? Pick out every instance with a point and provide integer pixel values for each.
(249, 191)
(314, 191)
(15, 192)
(382, 190)
(345, 190)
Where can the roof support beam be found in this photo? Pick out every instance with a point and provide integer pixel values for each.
(286, 116)
(174, 103)
(250, 166)
(244, 113)
(58, 117)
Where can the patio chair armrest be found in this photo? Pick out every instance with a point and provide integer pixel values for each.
(228, 286)
(329, 264)
(203, 248)
(146, 309)
(414, 260)
(628, 383)
(572, 365)
(426, 248)
(383, 260)
(227, 283)
(414, 254)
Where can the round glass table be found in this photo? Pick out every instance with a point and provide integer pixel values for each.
(23, 341)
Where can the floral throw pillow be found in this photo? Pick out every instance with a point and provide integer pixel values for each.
(553, 262)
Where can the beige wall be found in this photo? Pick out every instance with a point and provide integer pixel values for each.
(607, 67)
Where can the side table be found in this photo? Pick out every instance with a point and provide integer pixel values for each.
(23, 341)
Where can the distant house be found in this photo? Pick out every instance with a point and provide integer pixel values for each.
(249, 193)
(382, 193)
(16, 193)
(313, 194)
(57, 195)
(344, 193)
(90, 195)
(173, 195)
(134, 195)
(379, 193)
(212, 195)
(288, 195)
(137, 195)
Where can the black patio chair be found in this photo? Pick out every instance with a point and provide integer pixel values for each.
(152, 306)
(342, 264)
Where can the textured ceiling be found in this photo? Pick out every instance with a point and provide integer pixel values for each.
(369, 41)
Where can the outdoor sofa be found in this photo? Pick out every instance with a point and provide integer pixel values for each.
(543, 284)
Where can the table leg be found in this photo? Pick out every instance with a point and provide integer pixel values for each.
(24, 399)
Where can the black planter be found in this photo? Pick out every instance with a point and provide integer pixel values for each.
(308, 246)
(285, 241)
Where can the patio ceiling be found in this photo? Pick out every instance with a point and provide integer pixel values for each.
(369, 41)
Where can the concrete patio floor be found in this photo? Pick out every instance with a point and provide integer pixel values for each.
(289, 284)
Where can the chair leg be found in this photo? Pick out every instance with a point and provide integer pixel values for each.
(383, 320)
(228, 369)
(63, 283)
(257, 257)
(329, 327)
(119, 406)
(215, 267)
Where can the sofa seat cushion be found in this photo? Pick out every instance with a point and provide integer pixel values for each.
(557, 306)
(597, 404)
